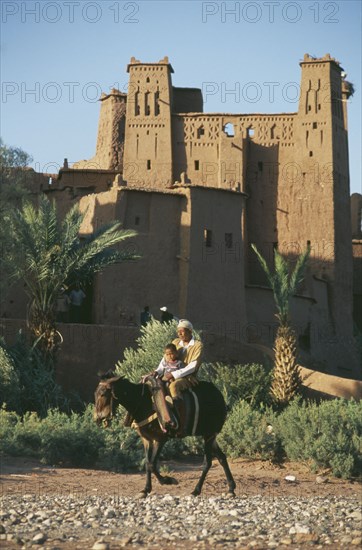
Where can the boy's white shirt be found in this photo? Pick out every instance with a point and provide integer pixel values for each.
(188, 369)
(165, 366)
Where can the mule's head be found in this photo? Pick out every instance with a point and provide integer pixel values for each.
(105, 400)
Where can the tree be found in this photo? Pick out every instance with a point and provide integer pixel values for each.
(13, 174)
(50, 255)
(284, 283)
(13, 162)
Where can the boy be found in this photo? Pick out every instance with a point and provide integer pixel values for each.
(168, 364)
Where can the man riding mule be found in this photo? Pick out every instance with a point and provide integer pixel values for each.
(203, 399)
(178, 381)
(139, 403)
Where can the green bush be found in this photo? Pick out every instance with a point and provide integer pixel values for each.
(26, 435)
(149, 352)
(27, 380)
(37, 379)
(9, 380)
(250, 382)
(325, 435)
(8, 422)
(122, 448)
(72, 440)
(328, 435)
(58, 438)
(248, 432)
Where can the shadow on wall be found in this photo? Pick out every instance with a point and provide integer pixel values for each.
(262, 188)
(86, 350)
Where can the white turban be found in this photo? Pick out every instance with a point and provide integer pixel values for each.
(184, 323)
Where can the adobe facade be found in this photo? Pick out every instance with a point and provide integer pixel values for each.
(200, 187)
(356, 216)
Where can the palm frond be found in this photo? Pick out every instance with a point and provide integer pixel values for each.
(283, 283)
(264, 265)
(281, 286)
(298, 274)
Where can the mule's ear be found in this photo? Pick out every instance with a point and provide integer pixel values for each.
(115, 378)
(106, 375)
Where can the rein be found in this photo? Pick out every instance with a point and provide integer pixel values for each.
(144, 422)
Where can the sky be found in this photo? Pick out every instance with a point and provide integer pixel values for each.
(58, 56)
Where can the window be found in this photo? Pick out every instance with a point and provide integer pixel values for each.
(314, 125)
(200, 132)
(148, 165)
(229, 129)
(197, 165)
(157, 103)
(250, 132)
(208, 238)
(310, 153)
(228, 240)
(136, 104)
(260, 166)
(274, 132)
(147, 106)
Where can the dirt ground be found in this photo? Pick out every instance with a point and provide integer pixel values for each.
(29, 476)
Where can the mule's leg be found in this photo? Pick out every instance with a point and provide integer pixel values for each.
(149, 451)
(224, 463)
(206, 466)
(164, 480)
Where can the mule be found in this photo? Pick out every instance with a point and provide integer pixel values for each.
(137, 399)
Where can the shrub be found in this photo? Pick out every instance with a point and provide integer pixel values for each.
(58, 438)
(151, 343)
(250, 382)
(73, 440)
(8, 422)
(26, 435)
(247, 432)
(39, 389)
(27, 380)
(328, 435)
(122, 448)
(9, 380)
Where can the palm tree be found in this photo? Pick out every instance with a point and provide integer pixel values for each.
(50, 254)
(286, 373)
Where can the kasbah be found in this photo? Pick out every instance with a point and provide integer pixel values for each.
(199, 188)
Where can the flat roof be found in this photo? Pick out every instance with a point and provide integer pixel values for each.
(175, 190)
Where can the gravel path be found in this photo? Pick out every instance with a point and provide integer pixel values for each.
(169, 521)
